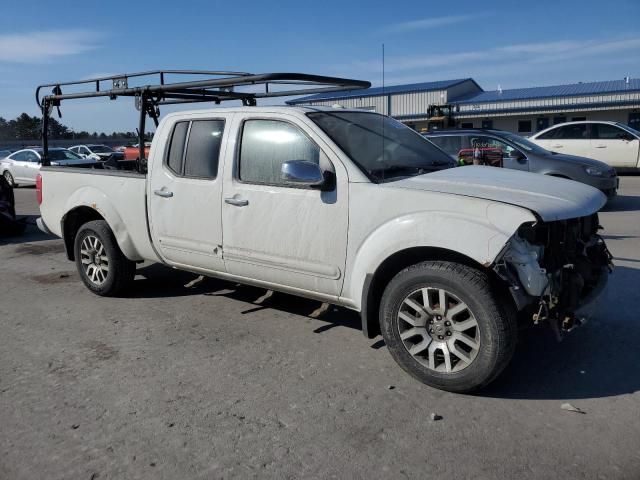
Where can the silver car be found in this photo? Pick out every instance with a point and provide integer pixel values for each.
(508, 150)
(22, 167)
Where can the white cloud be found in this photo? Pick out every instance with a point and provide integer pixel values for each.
(505, 56)
(42, 46)
(428, 23)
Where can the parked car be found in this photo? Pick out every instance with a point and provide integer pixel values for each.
(22, 167)
(96, 152)
(613, 143)
(351, 208)
(504, 149)
(132, 152)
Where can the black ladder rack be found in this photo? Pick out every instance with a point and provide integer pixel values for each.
(216, 87)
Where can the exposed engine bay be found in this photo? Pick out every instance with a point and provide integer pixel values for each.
(554, 268)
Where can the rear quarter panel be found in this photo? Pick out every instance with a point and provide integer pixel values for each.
(118, 197)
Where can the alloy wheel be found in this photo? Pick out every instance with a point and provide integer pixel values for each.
(94, 259)
(438, 329)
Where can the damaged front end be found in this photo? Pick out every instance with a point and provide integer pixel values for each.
(555, 270)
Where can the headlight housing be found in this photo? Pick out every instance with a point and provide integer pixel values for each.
(594, 171)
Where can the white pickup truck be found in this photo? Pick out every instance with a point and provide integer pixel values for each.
(351, 208)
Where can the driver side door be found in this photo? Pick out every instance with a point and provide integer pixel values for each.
(276, 232)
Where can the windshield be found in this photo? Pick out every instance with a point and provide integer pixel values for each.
(100, 149)
(629, 129)
(380, 146)
(63, 155)
(525, 144)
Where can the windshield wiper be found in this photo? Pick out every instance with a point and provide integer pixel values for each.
(400, 170)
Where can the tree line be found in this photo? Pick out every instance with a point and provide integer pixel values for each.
(26, 127)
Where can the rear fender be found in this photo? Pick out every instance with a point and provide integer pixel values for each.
(95, 199)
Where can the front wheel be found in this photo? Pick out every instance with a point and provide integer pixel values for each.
(443, 325)
(101, 264)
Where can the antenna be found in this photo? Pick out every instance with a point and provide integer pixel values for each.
(386, 102)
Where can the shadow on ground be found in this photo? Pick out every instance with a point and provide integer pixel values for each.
(31, 233)
(156, 281)
(601, 359)
(623, 203)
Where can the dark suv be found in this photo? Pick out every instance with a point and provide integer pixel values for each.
(498, 148)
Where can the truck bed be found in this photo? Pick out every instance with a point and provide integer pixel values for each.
(119, 196)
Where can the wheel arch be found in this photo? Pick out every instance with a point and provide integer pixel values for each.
(376, 282)
(71, 223)
(83, 212)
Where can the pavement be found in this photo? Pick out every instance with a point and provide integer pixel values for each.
(213, 380)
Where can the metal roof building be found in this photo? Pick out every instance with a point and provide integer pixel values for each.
(522, 110)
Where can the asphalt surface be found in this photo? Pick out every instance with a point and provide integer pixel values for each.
(214, 381)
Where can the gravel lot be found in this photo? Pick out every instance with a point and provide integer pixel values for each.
(213, 381)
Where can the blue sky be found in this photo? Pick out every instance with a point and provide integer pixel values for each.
(511, 44)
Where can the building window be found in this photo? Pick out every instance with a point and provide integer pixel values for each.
(578, 119)
(558, 120)
(542, 124)
(524, 126)
(488, 124)
(466, 125)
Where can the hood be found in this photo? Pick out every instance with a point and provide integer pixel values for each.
(589, 162)
(550, 198)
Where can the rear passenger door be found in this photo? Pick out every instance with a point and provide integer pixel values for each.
(185, 189)
(572, 139)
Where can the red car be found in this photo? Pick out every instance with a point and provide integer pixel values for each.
(132, 152)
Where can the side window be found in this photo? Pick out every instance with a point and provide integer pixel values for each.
(603, 131)
(32, 157)
(484, 151)
(201, 156)
(549, 135)
(449, 143)
(203, 149)
(19, 156)
(176, 147)
(267, 144)
(577, 131)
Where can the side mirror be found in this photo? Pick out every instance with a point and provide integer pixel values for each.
(303, 173)
(626, 136)
(517, 155)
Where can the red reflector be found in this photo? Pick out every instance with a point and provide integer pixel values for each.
(39, 189)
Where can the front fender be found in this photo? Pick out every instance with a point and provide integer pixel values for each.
(479, 237)
(92, 197)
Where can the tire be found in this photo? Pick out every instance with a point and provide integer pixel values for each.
(419, 338)
(101, 264)
(9, 178)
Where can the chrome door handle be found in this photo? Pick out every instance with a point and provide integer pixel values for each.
(163, 193)
(236, 201)
(601, 146)
(556, 146)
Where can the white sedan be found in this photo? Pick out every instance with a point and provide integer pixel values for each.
(610, 142)
(22, 167)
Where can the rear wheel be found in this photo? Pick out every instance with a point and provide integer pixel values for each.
(443, 325)
(9, 178)
(101, 264)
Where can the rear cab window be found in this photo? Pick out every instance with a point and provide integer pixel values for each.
(194, 148)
